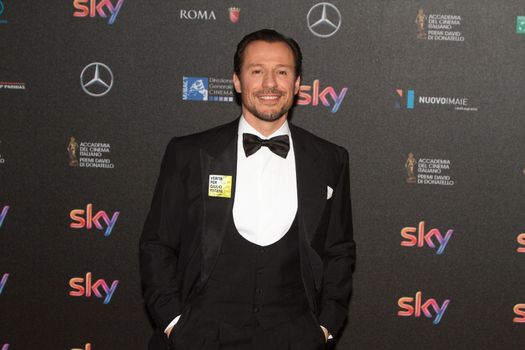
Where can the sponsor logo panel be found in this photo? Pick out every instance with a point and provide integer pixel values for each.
(407, 99)
(89, 154)
(417, 307)
(323, 19)
(207, 89)
(197, 15)
(234, 14)
(420, 237)
(12, 85)
(88, 288)
(98, 8)
(96, 79)
(326, 96)
(428, 171)
(438, 26)
(88, 219)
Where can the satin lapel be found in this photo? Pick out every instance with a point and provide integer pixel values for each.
(311, 189)
(219, 158)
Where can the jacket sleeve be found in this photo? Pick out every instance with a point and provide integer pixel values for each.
(160, 242)
(339, 254)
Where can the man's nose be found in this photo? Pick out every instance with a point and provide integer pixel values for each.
(269, 80)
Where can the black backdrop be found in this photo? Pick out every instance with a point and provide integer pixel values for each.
(464, 129)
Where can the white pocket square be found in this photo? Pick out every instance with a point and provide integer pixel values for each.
(329, 192)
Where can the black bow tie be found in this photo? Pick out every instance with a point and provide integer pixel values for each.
(279, 145)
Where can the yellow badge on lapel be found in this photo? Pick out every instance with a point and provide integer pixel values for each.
(220, 186)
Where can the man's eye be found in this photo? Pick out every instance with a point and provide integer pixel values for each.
(283, 72)
(256, 71)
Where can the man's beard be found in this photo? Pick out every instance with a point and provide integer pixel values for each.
(269, 116)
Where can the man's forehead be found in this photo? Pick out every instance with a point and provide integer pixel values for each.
(267, 46)
(264, 52)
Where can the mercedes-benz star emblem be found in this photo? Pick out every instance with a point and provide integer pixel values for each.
(323, 19)
(96, 79)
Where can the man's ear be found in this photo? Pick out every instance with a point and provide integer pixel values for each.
(297, 85)
(237, 83)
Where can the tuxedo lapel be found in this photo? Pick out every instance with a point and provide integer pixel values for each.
(311, 189)
(219, 157)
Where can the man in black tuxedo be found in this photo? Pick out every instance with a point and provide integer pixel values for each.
(248, 243)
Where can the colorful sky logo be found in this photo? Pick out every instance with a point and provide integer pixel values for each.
(85, 219)
(3, 214)
(312, 95)
(400, 101)
(418, 237)
(85, 287)
(519, 311)
(90, 8)
(416, 307)
(3, 282)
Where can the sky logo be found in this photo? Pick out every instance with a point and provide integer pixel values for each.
(85, 219)
(85, 287)
(410, 97)
(520, 239)
(418, 237)
(3, 281)
(415, 307)
(519, 311)
(328, 96)
(3, 214)
(85, 8)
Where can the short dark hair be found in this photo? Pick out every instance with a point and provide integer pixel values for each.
(270, 36)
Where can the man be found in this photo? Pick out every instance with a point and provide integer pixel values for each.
(248, 243)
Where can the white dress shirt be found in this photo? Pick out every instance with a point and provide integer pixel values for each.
(265, 190)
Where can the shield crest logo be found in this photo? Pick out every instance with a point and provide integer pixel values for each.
(235, 13)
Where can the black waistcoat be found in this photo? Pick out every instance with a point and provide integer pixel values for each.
(252, 283)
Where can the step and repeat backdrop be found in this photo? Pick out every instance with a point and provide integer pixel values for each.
(427, 96)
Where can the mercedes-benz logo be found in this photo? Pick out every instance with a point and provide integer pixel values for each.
(96, 79)
(323, 19)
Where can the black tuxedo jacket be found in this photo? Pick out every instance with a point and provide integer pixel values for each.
(185, 227)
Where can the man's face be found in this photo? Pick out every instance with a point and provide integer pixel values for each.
(267, 82)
